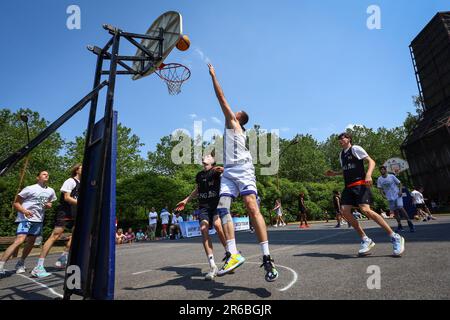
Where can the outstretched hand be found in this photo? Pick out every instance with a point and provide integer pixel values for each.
(180, 206)
(212, 71)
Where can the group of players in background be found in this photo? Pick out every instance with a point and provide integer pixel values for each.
(216, 188)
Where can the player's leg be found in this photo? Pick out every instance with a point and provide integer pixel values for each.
(261, 234)
(402, 212)
(208, 246)
(62, 260)
(39, 271)
(219, 230)
(398, 242)
(235, 259)
(29, 243)
(20, 238)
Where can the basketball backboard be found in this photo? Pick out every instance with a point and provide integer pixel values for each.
(396, 165)
(171, 25)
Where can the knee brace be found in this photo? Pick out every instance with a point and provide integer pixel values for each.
(223, 209)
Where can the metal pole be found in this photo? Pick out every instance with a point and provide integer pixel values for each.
(106, 149)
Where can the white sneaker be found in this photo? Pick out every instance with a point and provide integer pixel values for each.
(212, 273)
(275, 226)
(398, 243)
(20, 268)
(366, 246)
(40, 272)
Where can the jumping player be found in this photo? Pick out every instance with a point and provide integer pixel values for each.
(207, 192)
(357, 193)
(391, 188)
(64, 219)
(239, 178)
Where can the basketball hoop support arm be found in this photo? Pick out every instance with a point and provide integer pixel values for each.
(12, 160)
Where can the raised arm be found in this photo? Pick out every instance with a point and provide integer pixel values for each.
(227, 112)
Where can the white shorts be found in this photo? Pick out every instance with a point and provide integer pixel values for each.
(396, 204)
(238, 180)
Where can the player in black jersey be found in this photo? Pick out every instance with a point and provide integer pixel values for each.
(207, 192)
(357, 193)
(64, 219)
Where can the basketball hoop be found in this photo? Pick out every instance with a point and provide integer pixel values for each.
(174, 75)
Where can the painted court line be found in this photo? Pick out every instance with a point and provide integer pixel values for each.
(42, 286)
(295, 275)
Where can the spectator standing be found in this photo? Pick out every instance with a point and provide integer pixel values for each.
(152, 223)
(164, 216)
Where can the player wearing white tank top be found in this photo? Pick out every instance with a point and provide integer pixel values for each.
(239, 179)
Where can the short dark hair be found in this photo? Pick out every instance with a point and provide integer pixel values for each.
(335, 192)
(347, 135)
(244, 118)
(40, 171)
(383, 167)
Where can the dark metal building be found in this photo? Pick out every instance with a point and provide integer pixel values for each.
(427, 148)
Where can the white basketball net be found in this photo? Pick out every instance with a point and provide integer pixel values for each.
(174, 75)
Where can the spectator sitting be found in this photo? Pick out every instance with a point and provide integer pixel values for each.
(357, 215)
(130, 236)
(384, 215)
(120, 237)
(140, 236)
(175, 230)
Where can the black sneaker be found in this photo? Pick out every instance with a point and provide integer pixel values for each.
(269, 267)
(411, 227)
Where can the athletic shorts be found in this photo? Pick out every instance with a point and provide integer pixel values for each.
(396, 204)
(356, 196)
(238, 180)
(208, 215)
(164, 226)
(29, 228)
(152, 227)
(62, 220)
(421, 206)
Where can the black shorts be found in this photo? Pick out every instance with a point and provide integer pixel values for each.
(356, 196)
(63, 220)
(302, 210)
(207, 215)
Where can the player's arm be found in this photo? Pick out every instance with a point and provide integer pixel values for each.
(18, 206)
(194, 194)
(227, 112)
(70, 199)
(370, 169)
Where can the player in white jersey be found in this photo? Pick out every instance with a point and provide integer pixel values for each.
(239, 179)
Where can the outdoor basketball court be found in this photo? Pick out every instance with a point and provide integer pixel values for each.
(319, 263)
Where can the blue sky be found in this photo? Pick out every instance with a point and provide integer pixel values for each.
(298, 66)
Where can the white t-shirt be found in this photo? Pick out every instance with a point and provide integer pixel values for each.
(69, 185)
(34, 199)
(357, 151)
(390, 186)
(164, 215)
(152, 218)
(176, 220)
(417, 197)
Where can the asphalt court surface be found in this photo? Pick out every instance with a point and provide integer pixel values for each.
(316, 263)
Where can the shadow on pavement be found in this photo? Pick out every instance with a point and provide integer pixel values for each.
(337, 256)
(216, 289)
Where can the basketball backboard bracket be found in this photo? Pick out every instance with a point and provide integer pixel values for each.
(150, 57)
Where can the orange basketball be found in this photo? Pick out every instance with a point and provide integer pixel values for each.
(184, 43)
